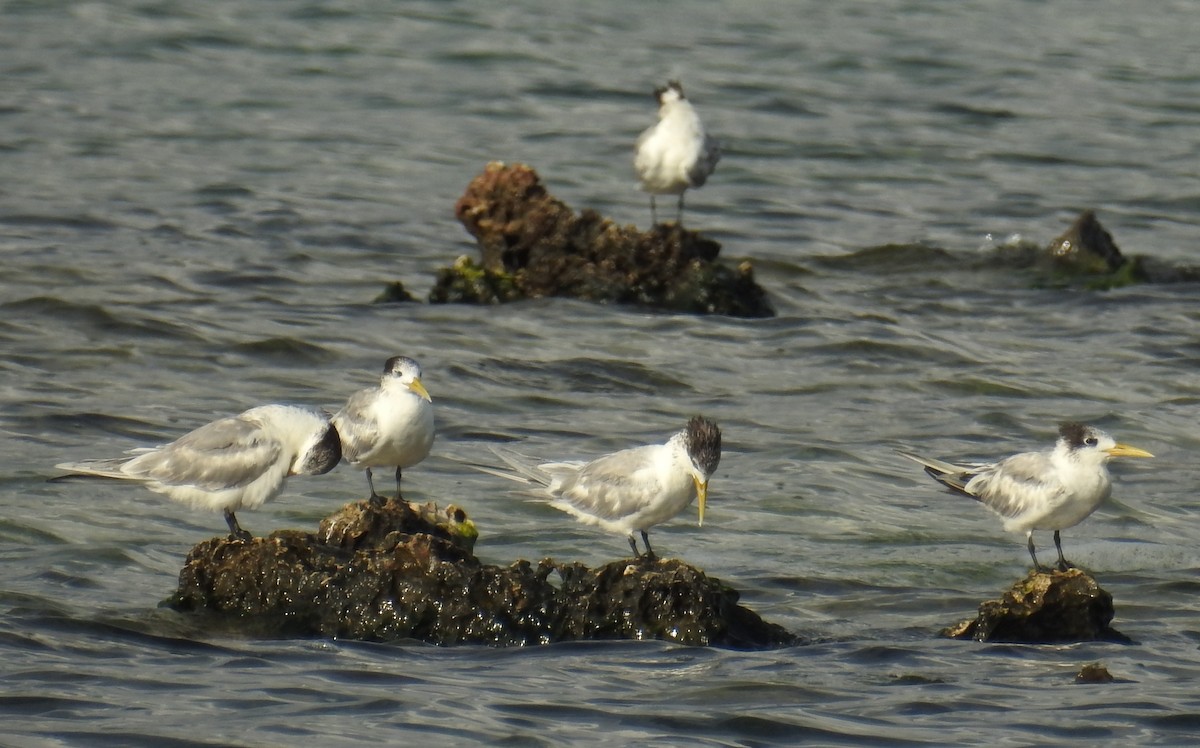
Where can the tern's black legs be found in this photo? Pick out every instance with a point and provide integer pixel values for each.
(1063, 564)
(376, 498)
(379, 499)
(235, 530)
(649, 554)
(649, 550)
(1033, 555)
(679, 212)
(653, 213)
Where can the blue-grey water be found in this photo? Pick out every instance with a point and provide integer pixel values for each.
(198, 202)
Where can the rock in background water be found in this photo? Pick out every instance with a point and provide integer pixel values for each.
(533, 246)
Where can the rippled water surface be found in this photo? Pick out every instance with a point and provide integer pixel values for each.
(198, 202)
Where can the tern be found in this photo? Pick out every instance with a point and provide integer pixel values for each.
(1050, 490)
(390, 425)
(631, 490)
(676, 153)
(233, 463)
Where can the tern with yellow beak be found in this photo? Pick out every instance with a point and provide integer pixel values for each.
(1050, 490)
(390, 425)
(632, 490)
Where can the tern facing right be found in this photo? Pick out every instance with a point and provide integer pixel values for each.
(390, 425)
(631, 490)
(676, 153)
(1050, 490)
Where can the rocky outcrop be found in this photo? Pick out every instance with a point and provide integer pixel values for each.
(1044, 608)
(1086, 255)
(1086, 247)
(534, 246)
(402, 571)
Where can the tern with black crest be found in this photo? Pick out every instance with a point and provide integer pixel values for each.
(632, 490)
(1050, 490)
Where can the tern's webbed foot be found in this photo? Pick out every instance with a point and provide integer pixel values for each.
(378, 499)
(243, 535)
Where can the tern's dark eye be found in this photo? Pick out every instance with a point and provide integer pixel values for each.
(1091, 441)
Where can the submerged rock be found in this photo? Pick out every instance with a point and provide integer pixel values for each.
(394, 293)
(1094, 673)
(533, 246)
(1045, 608)
(402, 571)
(1086, 247)
(1086, 254)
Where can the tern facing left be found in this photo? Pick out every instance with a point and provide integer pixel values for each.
(1050, 490)
(676, 153)
(233, 463)
(390, 425)
(631, 490)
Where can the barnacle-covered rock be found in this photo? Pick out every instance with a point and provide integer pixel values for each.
(532, 245)
(407, 571)
(1044, 608)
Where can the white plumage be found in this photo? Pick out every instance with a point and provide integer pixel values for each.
(675, 154)
(1050, 490)
(631, 490)
(390, 425)
(233, 463)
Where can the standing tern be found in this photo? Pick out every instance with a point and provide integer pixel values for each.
(631, 490)
(1050, 490)
(390, 425)
(676, 153)
(237, 462)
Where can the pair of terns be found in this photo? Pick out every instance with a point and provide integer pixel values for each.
(243, 461)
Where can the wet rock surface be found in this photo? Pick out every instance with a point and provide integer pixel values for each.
(1045, 608)
(402, 571)
(1086, 254)
(1094, 673)
(1086, 247)
(532, 245)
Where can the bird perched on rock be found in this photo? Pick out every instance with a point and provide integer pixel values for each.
(676, 153)
(233, 463)
(1050, 490)
(390, 425)
(631, 490)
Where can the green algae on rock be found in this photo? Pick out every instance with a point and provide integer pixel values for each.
(404, 571)
(1045, 608)
(534, 246)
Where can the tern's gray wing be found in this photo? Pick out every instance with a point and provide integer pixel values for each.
(227, 453)
(609, 487)
(947, 473)
(1017, 484)
(710, 154)
(358, 429)
(521, 468)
